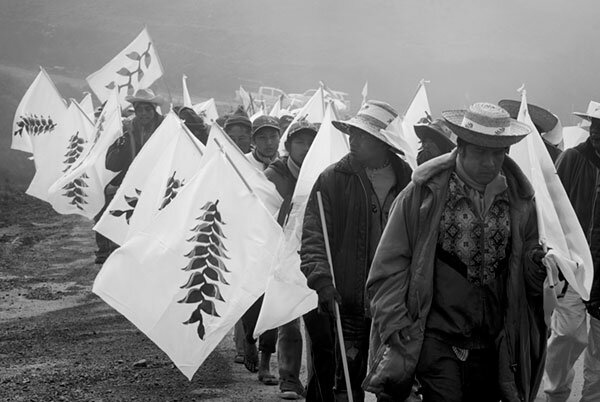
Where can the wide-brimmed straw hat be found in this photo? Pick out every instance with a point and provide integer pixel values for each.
(438, 132)
(547, 123)
(373, 117)
(486, 125)
(593, 112)
(145, 95)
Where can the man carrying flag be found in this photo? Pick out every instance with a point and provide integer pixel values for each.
(456, 284)
(357, 194)
(284, 174)
(579, 171)
(121, 153)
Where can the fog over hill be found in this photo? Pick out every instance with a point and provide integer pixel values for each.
(470, 50)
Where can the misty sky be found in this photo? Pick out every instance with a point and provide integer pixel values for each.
(470, 50)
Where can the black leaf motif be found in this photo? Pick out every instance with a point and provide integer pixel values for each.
(132, 202)
(111, 85)
(171, 191)
(133, 56)
(205, 262)
(34, 125)
(123, 71)
(147, 59)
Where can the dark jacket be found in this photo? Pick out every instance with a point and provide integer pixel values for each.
(579, 169)
(125, 148)
(346, 192)
(285, 183)
(400, 284)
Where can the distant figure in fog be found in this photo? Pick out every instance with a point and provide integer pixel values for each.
(436, 139)
(238, 127)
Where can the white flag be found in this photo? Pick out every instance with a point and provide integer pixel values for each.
(246, 100)
(54, 154)
(574, 135)
(396, 135)
(136, 67)
(187, 99)
(418, 112)
(287, 295)
(276, 110)
(197, 267)
(166, 163)
(313, 111)
(364, 92)
(265, 190)
(87, 105)
(83, 183)
(558, 226)
(39, 114)
(259, 112)
(207, 110)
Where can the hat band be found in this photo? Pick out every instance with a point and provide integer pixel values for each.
(480, 128)
(374, 112)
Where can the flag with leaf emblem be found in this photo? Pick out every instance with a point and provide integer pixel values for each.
(82, 185)
(136, 67)
(39, 116)
(192, 272)
(54, 155)
(166, 163)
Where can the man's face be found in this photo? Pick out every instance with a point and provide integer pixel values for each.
(266, 141)
(144, 112)
(364, 146)
(595, 134)
(299, 146)
(482, 164)
(241, 136)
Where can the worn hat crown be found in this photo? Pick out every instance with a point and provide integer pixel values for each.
(264, 121)
(144, 95)
(486, 125)
(593, 111)
(238, 117)
(373, 117)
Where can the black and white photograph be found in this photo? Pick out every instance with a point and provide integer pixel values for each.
(319, 200)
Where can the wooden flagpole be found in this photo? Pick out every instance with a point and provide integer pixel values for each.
(338, 320)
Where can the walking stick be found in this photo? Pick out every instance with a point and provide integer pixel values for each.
(338, 320)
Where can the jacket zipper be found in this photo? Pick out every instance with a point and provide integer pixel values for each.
(591, 226)
(365, 307)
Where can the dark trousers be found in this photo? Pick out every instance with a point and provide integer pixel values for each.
(105, 245)
(320, 383)
(268, 340)
(444, 377)
(356, 330)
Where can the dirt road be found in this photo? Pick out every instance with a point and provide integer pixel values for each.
(60, 342)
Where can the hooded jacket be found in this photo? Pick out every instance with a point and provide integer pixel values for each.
(346, 193)
(400, 283)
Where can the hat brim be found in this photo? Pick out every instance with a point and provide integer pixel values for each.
(518, 131)
(157, 100)
(426, 132)
(541, 117)
(586, 116)
(344, 127)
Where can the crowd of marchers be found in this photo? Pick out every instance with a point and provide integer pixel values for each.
(437, 273)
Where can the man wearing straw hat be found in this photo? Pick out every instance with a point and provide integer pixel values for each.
(579, 171)
(356, 193)
(436, 139)
(456, 283)
(120, 154)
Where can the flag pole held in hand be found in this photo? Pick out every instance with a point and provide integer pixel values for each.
(338, 320)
